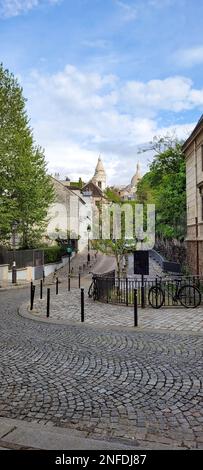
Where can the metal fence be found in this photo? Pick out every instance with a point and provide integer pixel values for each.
(22, 258)
(121, 291)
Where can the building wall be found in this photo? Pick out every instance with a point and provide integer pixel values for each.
(194, 179)
(64, 213)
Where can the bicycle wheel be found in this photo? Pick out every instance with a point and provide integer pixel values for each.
(91, 290)
(189, 296)
(95, 293)
(156, 297)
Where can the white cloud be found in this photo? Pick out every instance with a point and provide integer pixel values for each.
(9, 8)
(76, 115)
(171, 94)
(190, 56)
(129, 12)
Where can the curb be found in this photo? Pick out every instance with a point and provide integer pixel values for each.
(16, 435)
(6, 289)
(24, 312)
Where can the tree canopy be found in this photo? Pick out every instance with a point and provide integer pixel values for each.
(26, 190)
(165, 186)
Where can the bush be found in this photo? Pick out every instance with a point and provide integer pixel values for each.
(53, 254)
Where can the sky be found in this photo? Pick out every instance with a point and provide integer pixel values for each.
(103, 77)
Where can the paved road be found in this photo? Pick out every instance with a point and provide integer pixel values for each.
(66, 308)
(109, 383)
(103, 263)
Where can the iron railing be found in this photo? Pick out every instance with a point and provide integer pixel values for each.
(121, 291)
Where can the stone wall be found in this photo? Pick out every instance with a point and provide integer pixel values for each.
(4, 275)
(194, 181)
(201, 258)
(192, 256)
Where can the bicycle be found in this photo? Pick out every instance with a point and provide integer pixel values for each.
(93, 291)
(188, 295)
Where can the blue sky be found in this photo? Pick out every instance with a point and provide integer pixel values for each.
(105, 76)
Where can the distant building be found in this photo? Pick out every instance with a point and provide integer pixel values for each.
(74, 205)
(193, 150)
(77, 203)
(64, 214)
(94, 191)
(94, 188)
(99, 177)
(129, 192)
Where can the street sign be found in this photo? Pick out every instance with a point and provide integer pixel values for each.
(141, 262)
(69, 250)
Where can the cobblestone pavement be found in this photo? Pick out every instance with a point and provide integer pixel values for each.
(66, 308)
(134, 385)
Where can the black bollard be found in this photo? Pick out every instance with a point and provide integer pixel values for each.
(79, 280)
(48, 302)
(41, 289)
(31, 287)
(14, 273)
(142, 293)
(82, 305)
(57, 286)
(135, 308)
(32, 296)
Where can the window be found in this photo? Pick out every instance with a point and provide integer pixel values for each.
(99, 184)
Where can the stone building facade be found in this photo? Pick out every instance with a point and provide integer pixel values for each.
(74, 208)
(193, 150)
(129, 192)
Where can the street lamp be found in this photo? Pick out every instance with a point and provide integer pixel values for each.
(69, 251)
(88, 244)
(14, 227)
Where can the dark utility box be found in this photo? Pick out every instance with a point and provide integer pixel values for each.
(141, 262)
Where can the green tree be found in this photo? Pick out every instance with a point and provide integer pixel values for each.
(116, 248)
(112, 194)
(121, 224)
(165, 186)
(26, 190)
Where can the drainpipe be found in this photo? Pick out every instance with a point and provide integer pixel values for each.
(196, 215)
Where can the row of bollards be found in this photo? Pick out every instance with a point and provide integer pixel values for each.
(82, 299)
(57, 285)
(32, 295)
(82, 304)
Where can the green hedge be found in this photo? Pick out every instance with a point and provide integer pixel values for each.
(53, 254)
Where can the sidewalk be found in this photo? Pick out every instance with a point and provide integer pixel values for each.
(65, 309)
(21, 435)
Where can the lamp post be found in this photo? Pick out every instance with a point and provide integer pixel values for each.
(14, 227)
(88, 243)
(69, 250)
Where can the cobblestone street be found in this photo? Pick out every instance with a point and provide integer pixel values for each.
(117, 383)
(65, 308)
